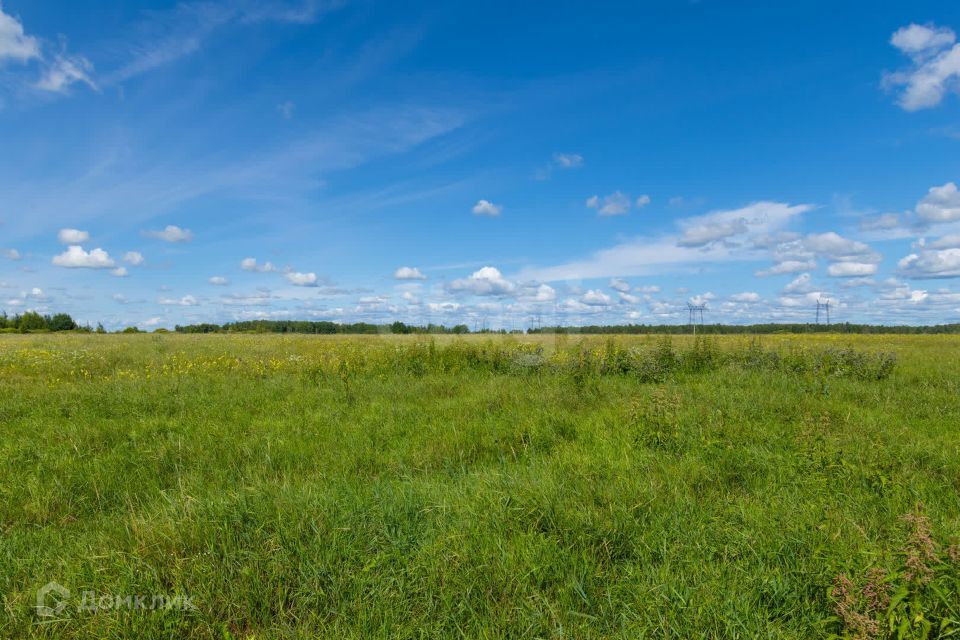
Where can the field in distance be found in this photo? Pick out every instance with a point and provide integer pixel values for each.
(268, 486)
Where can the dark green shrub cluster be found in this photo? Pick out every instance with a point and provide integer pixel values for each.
(32, 321)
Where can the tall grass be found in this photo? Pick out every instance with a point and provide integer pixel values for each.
(296, 486)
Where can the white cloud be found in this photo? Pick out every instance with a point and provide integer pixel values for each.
(917, 39)
(642, 201)
(64, 71)
(746, 296)
(883, 222)
(487, 281)
(615, 204)
(618, 284)
(408, 273)
(302, 279)
(487, 208)
(568, 160)
(852, 269)
(707, 233)
(941, 204)
(15, 44)
(944, 263)
(788, 266)
(171, 233)
(800, 284)
(542, 293)
(935, 65)
(946, 242)
(759, 218)
(185, 301)
(443, 307)
(250, 264)
(628, 298)
(11, 254)
(219, 281)
(120, 272)
(833, 246)
(133, 258)
(702, 299)
(596, 298)
(72, 236)
(286, 109)
(76, 258)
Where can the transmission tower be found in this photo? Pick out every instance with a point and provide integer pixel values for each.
(825, 306)
(696, 313)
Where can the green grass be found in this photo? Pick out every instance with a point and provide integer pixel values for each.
(507, 488)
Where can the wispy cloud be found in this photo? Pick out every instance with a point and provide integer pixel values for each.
(165, 37)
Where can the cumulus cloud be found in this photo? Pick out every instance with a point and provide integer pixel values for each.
(171, 233)
(788, 266)
(749, 297)
(72, 236)
(642, 201)
(934, 68)
(618, 284)
(133, 258)
(487, 208)
(219, 281)
(800, 284)
(757, 218)
(15, 44)
(120, 272)
(852, 269)
(568, 160)
(946, 242)
(832, 246)
(941, 204)
(302, 279)
(917, 39)
(883, 222)
(487, 281)
(250, 264)
(185, 301)
(615, 204)
(408, 273)
(540, 293)
(943, 263)
(11, 254)
(76, 258)
(596, 298)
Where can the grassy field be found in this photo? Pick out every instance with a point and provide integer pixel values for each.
(287, 487)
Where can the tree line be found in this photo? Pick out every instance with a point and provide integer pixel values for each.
(33, 321)
(771, 327)
(325, 327)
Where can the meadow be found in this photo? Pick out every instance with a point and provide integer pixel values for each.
(480, 487)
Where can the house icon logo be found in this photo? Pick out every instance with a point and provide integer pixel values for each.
(52, 599)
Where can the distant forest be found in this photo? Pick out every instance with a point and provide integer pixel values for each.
(326, 327)
(32, 322)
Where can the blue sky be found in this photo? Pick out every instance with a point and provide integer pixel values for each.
(165, 163)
